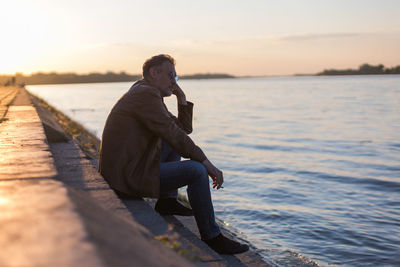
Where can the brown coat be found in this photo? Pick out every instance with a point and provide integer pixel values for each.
(131, 141)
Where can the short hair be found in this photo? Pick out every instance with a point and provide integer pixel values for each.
(156, 61)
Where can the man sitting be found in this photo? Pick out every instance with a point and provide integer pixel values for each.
(141, 147)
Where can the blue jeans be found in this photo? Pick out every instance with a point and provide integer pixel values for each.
(175, 174)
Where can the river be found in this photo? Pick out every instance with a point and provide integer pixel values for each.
(311, 164)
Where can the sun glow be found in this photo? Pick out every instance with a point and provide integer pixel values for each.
(23, 34)
(3, 200)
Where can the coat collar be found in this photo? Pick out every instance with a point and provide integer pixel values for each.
(144, 85)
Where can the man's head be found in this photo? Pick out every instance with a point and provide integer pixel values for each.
(159, 71)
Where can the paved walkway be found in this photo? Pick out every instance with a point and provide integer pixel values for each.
(33, 206)
(7, 95)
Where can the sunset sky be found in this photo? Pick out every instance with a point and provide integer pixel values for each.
(236, 37)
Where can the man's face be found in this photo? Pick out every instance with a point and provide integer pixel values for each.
(164, 78)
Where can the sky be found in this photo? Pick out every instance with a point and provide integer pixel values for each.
(264, 37)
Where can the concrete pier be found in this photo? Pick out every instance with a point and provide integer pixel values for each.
(39, 226)
(57, 210)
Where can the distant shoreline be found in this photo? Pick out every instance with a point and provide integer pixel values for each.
(364, 69)
(72, 78)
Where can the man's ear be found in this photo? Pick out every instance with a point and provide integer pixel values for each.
(153, 72)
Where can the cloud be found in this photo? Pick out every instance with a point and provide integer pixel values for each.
(318, 36)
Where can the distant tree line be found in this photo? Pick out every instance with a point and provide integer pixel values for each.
(58, 78)
(61, 78)
(207, 76)
(364, 69)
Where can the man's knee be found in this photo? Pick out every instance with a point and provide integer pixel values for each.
(200, 171)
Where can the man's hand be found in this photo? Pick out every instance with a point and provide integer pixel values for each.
(215, 174)
(180, 95)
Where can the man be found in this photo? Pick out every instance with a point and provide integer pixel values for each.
(141, 147)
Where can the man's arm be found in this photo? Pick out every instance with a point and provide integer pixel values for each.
(185, 110)
(215, 174)
(180, 95)
(153, 114)
(150, 110)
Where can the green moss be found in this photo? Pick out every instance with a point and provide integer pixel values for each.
(171, 242)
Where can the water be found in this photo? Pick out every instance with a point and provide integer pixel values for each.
(311, 164)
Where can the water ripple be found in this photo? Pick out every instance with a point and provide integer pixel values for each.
(352, 149)
(371, 183)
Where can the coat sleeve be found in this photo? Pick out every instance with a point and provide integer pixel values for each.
(149, 109)
(185, 117)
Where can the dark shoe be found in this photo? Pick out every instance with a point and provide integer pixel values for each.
(224, 245)
(171, 206)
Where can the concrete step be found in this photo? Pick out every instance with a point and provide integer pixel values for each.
(173, 233)
(35, 211)
(249, 258)
(121, 240)
(186, 226)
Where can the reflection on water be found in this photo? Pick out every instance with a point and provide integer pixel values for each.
(312, 164)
